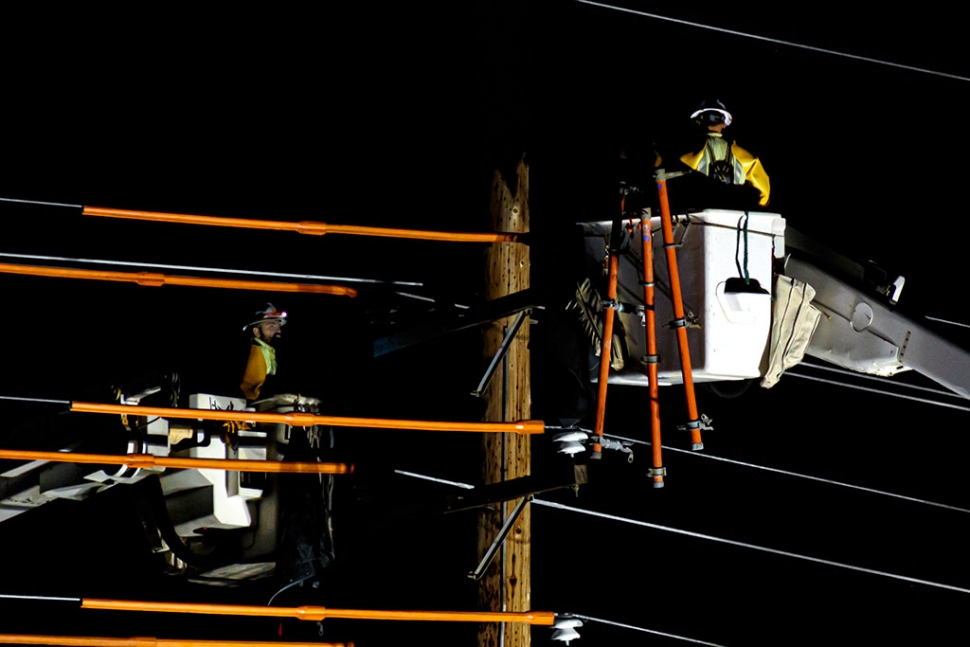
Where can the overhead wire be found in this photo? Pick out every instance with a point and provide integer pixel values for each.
(643, 629)
(809, 477)
(876, 378)
(743, 544)
(870, 390)
(776, 41)
(723, 540)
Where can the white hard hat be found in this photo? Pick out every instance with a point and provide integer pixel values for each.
(270, 313)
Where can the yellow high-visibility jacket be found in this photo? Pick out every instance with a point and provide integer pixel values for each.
(747, 167)
(261, 362)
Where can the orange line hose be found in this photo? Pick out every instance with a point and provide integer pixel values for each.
(154, 279)
(652, 367)
(316, 613)
(605, 355)
(304, 227)
(147, 461)
(309, 419)
(147, 641)
(678, 304)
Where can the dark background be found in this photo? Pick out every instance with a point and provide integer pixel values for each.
(397, 114)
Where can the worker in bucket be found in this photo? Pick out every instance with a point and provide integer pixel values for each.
(266, 331)
(718, 156)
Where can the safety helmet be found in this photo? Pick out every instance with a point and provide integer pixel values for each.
(712, 111)
(270, 313)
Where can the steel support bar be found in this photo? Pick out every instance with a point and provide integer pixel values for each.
(499, 539)
(395, 509)
(441, 325)
(500, 354)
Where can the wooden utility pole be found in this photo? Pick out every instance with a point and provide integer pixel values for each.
(507, 585)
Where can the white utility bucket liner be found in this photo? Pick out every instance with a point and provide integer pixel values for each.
(729, 331)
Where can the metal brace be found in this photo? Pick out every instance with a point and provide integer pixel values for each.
(499, 539)
(500, 353)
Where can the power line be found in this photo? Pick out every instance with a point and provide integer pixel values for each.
(643, 629)
(795, 474)
(875, 378)
(732, 542)
(777, 41)
(742, 544)
(20, 399)
(868, 390)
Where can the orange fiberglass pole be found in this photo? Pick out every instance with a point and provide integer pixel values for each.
(606, 350)
(680, 321)
(304, 227)
(298, 419)
(154, 279)
(147, 461)
(650, 318)
(316, 613)
(147, 641)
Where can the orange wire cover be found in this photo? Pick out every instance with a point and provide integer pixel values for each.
(304, 227)
(316, 613)
(147, 641)
(310, 419)
(147, 461)
(154, 279)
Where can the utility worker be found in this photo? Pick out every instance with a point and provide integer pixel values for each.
(721, 158)
(266, 333)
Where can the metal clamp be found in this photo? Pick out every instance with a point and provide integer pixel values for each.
(704, 424)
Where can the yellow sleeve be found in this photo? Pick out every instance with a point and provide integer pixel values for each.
(754, 172)
(255, 373)
(693, 160)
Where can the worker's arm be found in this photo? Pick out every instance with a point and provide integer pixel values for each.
(255, 374)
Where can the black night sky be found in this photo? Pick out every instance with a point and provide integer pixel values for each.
(395, 114)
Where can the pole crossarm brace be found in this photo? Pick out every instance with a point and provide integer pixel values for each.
(436, 326)
(148, 461)
(316, 613)
(304, 227)
(403, 508)
(155, 279)
(298, 419)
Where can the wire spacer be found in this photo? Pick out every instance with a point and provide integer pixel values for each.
(650, 359)
(678, 323)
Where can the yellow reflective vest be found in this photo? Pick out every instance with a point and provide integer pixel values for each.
(262, 362)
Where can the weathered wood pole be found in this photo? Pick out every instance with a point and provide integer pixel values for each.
(507, 456)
